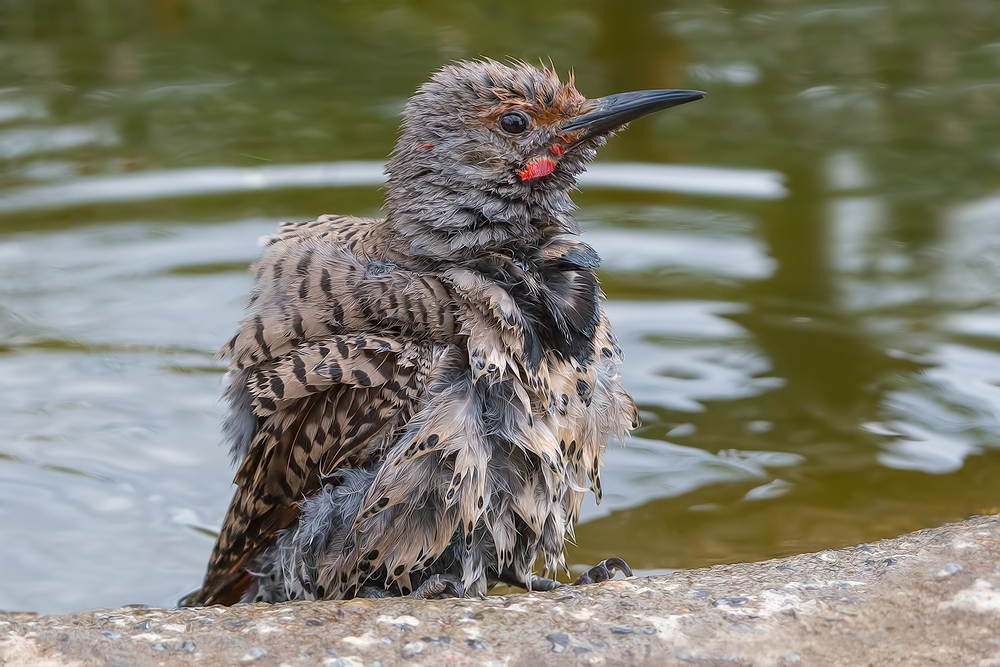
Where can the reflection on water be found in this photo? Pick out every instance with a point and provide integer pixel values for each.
(144, 186)
(810, 315)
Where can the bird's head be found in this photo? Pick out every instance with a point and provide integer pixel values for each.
(488, 153)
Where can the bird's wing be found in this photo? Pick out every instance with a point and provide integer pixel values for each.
(330, 362)
(300, 440)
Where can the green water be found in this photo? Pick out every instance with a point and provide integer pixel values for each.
(817, 356)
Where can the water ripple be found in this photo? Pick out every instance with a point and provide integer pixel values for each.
(164, 184)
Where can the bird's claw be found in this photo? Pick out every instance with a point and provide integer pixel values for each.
(544, 585)
(604, 571)
(440, 586)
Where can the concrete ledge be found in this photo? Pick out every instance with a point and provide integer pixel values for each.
(930, 597)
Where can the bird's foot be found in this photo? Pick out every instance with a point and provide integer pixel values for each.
(604, 571)
(372, 592)
(440, 586)
(542, 584)
(537, 583)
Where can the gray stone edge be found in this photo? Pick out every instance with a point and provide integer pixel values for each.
(929, 597)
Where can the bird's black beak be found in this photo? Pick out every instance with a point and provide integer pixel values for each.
(608, 113)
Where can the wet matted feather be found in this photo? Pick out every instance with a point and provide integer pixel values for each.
(429, 394)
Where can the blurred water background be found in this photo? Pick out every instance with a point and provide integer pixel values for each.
(803, 267)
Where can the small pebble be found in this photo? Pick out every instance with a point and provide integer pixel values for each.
(559, 642)
(730, 602)
(112, 635)
(443, 639)
(314, 622)
(476, 644)
(186, 646)
(649, 630)
(142, 627)
(158, 647)
(256, 653)
(948, 570)
(412, 650)
(346, 662)
(622, 630)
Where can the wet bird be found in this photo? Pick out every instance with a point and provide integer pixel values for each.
(419, 403)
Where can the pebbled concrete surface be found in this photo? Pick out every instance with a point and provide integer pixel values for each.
(930, 597)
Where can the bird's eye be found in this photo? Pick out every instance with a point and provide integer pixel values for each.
(513, 123)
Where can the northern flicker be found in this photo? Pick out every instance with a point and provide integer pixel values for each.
(419, 403)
